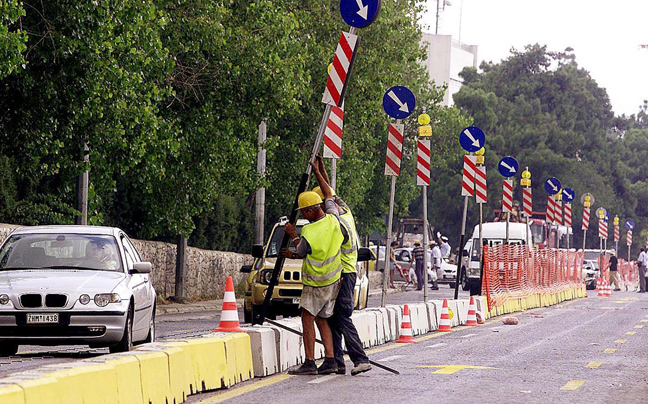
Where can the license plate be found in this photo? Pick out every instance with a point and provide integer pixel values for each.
(42, 318)
(295, 300)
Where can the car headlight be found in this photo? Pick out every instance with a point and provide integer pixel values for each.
(84, 299)
(103, 299)
(4, 299)
(266, 277)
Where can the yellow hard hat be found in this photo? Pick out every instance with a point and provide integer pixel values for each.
(318, 191)
(308, 199)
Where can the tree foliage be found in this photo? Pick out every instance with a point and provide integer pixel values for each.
(168, 94)
(542, 108)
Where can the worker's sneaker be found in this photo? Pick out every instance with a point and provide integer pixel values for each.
(307, 368)
(328, 366)
(360, 368)
(341, 368)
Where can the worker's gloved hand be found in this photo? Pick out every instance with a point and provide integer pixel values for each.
(286, 253)
(289, 228)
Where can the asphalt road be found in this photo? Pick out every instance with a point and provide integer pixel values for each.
(588, 350)
(592, 350)
(186, 324)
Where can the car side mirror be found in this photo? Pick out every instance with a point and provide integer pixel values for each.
(257, 251)
(246, 269)
(365, 254)
(141, 268)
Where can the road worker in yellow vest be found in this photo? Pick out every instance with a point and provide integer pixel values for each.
(341, 323)
(319, 246)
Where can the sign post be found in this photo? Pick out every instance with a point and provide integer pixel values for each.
(423, 174)
(568, 195)
(587, 200)
(508, 168)
(527, 201)
(601, 213)
(393, 158)
(552, 186)
(629, 225)
(471, 140)
(336, 85)
(617, 234)
(480, 197)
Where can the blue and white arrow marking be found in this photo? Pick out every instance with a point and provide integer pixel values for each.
(393, 96)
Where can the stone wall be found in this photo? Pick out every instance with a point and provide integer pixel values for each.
(206, 269)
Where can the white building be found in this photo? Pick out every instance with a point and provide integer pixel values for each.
(446, 57)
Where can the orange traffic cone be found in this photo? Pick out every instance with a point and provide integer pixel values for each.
(608, 289)
(472, 312)
(444, 324)
(229, 321)
(600, 287)
(406, 328)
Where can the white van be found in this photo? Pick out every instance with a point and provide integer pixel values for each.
(493, 233)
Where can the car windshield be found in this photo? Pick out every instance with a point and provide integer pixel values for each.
(275, 241)
(60, 251)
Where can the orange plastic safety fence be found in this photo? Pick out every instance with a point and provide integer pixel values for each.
(519, 271)
(628, 273)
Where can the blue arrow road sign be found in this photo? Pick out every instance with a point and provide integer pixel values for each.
(472, 139)
(399, 102)
(552, 186)
(629, 225)
(508, 167)
(568, 194)
(360, 13)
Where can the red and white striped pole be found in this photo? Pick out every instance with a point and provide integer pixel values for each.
(393, 157)
(527, 202)
(423, 175)
(587, 203)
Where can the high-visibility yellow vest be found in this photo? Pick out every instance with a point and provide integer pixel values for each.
(323, 266)
(349, 249)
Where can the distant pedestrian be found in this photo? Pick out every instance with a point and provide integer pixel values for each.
(642, 261)
(444, 246)
(436, 264)
(614, 279)
(419, 257)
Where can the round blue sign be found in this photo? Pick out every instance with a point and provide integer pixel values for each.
(508, 167)
(399, 102)
(568, 194)
(472, 139)
(629, 225)
(360, 13)
(552, 185)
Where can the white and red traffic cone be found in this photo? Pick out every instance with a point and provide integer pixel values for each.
(600, 288)
(229, 320)
(444, 324)
(406, 328)
(472, 312)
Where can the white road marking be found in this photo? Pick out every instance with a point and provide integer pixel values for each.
(323, 379)
(467, 335)
(391, 358)
(436, 345)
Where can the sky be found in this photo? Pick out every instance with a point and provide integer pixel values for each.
(605, 35)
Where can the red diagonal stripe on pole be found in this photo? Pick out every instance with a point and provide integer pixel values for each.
(568, 214)
(394, 149)
(423, 162)
(507, 195)
(333, 134)
(629, 238)
(617, 234)
(468, 180)
(480, 184)
(338, 75)
(586, 217)
(527, 201)
(550, 209)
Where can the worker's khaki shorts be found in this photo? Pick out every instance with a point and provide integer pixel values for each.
(320, 301)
